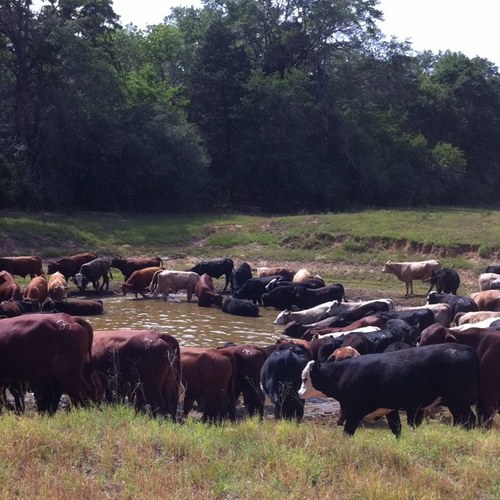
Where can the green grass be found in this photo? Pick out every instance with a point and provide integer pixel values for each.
(113, 452)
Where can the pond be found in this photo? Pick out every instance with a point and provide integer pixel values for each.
(189, 324)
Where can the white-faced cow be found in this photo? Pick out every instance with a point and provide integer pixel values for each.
(91, 272)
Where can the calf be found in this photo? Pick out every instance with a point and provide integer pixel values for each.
(91, 272)
(168, 281)
(409, 379)
(204, 290)
(209, 376)
(409, 271)
(36, 289)
(239, 307)
(22, 266)
(253, 289)
(128, 266)
(445, 280)
(9, 289)
(57, 287)
(280, 379)
(215, 269)
(241, 275)
(486, 343)
(139, 281)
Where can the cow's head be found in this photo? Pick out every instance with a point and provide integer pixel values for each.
(387, 267)
(307, 390)
(80, 281)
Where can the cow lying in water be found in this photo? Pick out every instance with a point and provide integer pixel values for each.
(411, 379)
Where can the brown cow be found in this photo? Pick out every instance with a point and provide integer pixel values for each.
(288, 274)
(139, 281)
(488, 300)
(36, 289)
(486, 342)
(22, 266)
(75, 307)
(249, 361)
(342, 353)
(205, 292)
(9, 289)
(409, 271)
(128, 266)
(71, 264)
(57, 287)
(143, 365)
(209, 376)
(47, 350)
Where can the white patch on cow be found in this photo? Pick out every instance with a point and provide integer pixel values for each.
(307, 390)
(79, 279)
(63, 324)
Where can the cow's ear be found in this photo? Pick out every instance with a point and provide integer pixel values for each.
(450, 337)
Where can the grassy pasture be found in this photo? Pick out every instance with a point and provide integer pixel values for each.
(112, 453)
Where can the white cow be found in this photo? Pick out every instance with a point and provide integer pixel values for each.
(486, 280)
(475, 316)
(168, 281)
(409, 271)
(493, 323)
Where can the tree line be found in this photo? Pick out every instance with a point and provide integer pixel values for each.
(268, 105)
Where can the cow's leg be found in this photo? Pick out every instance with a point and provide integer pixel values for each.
(463, 416)
(228, 277)
(351, 423)
(414, 417)
(394, 422)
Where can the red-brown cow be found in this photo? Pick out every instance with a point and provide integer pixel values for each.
(486, 342)
(22, 266)
(209, 376)
(205, 292)
(287, 274)
(139, 281)
(36, 289)
(143, 365)
(9, 289)
(71, 264)
(128, 266)
(57, 287)
(488, 300)
(249, 361)
(75, 307)
(46, 351)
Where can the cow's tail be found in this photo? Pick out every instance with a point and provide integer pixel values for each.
(174, 361)
(95, 382)
(161, 263)
(154, 282)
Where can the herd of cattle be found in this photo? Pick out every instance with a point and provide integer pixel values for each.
(373, 357)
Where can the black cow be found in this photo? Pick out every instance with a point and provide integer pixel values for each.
(409, 379)
(420, 318)
(280, 379)
(215, 269)
(445, 280)
(311, 297)
(239, 307)
(281, 297)
(456, 302)
(253, 289)
(492, 269)
(241, 275)
(91, 272)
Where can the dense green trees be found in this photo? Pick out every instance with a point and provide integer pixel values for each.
(296, 105)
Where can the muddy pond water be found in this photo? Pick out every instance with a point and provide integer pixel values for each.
(190, 324)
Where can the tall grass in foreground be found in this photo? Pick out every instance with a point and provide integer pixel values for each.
(114, 453)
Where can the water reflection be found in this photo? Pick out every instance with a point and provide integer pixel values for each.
(189, 324)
